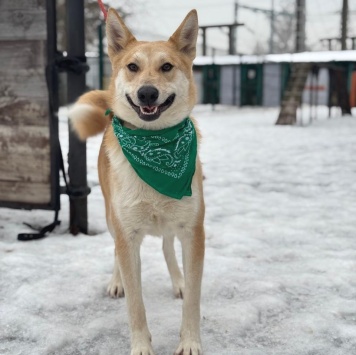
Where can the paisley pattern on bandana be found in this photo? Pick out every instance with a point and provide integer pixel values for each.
(164, 159)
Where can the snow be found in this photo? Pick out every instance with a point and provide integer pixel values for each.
(280, 261)
(304, 57)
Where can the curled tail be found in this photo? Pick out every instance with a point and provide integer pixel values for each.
(87, 115)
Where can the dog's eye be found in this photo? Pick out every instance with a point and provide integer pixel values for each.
(166, 67)
(133, 67)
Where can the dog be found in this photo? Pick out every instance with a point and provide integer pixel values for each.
(152, 89)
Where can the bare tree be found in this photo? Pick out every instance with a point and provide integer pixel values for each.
(285, 27)
(260, 48)
(284, 30)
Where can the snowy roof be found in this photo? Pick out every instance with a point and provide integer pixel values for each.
(304, 57)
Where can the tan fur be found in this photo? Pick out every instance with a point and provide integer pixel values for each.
(134, 209)
(88, 114)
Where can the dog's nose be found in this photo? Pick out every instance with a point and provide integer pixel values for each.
(147, 95)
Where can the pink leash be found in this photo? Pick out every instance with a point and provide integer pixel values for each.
(103, 9)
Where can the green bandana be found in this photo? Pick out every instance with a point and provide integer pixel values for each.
(164, 159)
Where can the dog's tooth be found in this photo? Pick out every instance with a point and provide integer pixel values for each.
(147, 110)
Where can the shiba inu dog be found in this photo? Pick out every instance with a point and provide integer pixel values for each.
(151, 90)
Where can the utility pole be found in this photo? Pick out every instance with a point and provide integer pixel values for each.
(300, 28)
(343, 38)
(236, 7)
(271, 41)
(344, 18)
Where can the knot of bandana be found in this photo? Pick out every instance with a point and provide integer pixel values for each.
(164, 159)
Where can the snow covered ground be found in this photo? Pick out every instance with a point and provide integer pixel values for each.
(280, 268)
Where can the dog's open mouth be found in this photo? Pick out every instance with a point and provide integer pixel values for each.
(151, 113)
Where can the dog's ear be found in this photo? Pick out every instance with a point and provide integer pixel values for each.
(185, 37)
(118, 35)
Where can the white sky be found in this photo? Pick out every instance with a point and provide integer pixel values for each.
(158, 19)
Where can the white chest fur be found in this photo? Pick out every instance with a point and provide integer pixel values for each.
(141, 209)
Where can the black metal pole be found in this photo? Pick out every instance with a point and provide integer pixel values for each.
(204, 40)
(52, 82)
(101, 56)
(77, 170)
(311, 98)
(234, 99)
(317, 94)
(231, 40)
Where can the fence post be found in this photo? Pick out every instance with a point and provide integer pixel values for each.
(77, 170)
(101, 55)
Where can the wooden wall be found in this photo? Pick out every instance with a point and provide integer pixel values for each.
(25, 175)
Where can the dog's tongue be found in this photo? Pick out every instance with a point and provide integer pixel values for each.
(149, 110)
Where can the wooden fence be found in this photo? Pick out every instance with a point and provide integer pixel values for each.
(28, 130)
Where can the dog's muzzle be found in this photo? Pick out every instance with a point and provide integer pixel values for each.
(148, 109)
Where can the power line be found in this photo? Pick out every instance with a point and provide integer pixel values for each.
(265, 11)
(205, 5)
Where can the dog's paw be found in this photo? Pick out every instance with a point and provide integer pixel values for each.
(115, 289)
(142, 347)
(178, 288)
(189, 347)
(142, 350)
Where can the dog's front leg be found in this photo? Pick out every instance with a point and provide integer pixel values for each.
(173, 268)
(193, 246)
(128, 252)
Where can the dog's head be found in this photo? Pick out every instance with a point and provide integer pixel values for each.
(152, 84)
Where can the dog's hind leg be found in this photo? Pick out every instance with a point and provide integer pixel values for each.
(193, 260)
(115, 288)
(173, 268)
